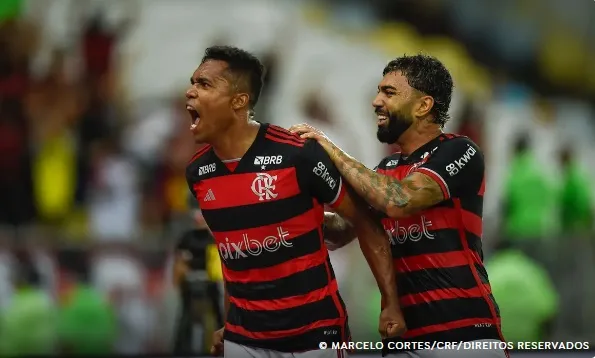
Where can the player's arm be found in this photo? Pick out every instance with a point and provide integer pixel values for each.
(326, 185)
(338, 232)
(428, 185)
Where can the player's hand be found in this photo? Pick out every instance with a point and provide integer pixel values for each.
(217, 347)
(392, 322)
(307, 131)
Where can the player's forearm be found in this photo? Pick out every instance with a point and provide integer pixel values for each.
(337, 230)
(375, 247)
(384, 193)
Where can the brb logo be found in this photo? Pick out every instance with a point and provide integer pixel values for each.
(263, 186)
(398, 234)
(250, 247)
(454, 167)
(322, 172)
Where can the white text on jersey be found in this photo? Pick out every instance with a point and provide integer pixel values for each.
(400, 234)
(205, 169)
(392, 163)
(269, 159)
(322, 172)
(251, 247)
(454, 167)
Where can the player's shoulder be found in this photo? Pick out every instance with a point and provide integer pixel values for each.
(454, 141)
(283, 137)
(390, 161)
(199, 160)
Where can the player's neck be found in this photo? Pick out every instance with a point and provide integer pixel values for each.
(412, 140)
(236, 140)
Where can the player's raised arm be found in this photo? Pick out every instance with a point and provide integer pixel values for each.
(424, 187)
(326, 184)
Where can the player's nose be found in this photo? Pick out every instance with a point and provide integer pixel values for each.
(377, 102)
(191, 93)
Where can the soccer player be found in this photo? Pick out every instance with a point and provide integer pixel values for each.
(262, 192)
(430, 198)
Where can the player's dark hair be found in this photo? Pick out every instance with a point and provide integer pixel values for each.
(428, 75)
(241, 63)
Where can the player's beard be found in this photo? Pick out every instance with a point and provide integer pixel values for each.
(397, 124)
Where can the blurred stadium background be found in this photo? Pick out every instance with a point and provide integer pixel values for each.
(94, 142)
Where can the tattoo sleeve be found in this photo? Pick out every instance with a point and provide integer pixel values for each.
(394, 197)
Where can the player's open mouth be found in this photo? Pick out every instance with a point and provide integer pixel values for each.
(194, 116)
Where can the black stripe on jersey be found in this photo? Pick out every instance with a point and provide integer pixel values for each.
(443, 311)
(446, 240)
(291, 318)
(435, 279)
(298, 343)
(267, 213)
(302, 245)
(471, 203)
(297, 284)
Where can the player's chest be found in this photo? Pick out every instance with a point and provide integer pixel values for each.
(265, 181)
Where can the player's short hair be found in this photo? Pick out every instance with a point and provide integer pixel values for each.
(428, 75)
(242, 64)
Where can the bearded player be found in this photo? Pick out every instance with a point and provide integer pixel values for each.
(430, 198)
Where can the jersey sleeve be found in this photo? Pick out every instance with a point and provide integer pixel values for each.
(323, 179)
(457, 166)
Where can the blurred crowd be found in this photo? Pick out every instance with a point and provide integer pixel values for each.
(94, 143)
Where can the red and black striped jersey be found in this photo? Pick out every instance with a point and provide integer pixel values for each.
(266, 214)
(443, 285)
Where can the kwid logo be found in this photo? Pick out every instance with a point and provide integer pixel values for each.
(252, 247)
(398, 234)
(454, 167)
(323, 173)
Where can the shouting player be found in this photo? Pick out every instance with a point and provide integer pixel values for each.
(262, 192)
(430, 196)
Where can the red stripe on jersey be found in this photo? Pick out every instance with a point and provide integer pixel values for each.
(438, 179)
(276, 272)
(241, 189)
(447, 326)
(294, 227)
(200, 152)
(437, 219)
(285, 302)
(340, 196)
(282, 140)
(287, 332)
(431, 261)
(471, 255)
(442, 294)
(231, 165)
(398, 172)
(284, 133)
(482, 189)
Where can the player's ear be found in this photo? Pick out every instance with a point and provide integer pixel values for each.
(240, 101)
(423, 106)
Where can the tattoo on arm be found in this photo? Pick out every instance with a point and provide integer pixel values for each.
(389, 195)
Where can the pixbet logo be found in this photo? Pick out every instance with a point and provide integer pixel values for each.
(263, 186)
(454, 167)
(251, 247)
(400, 234)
